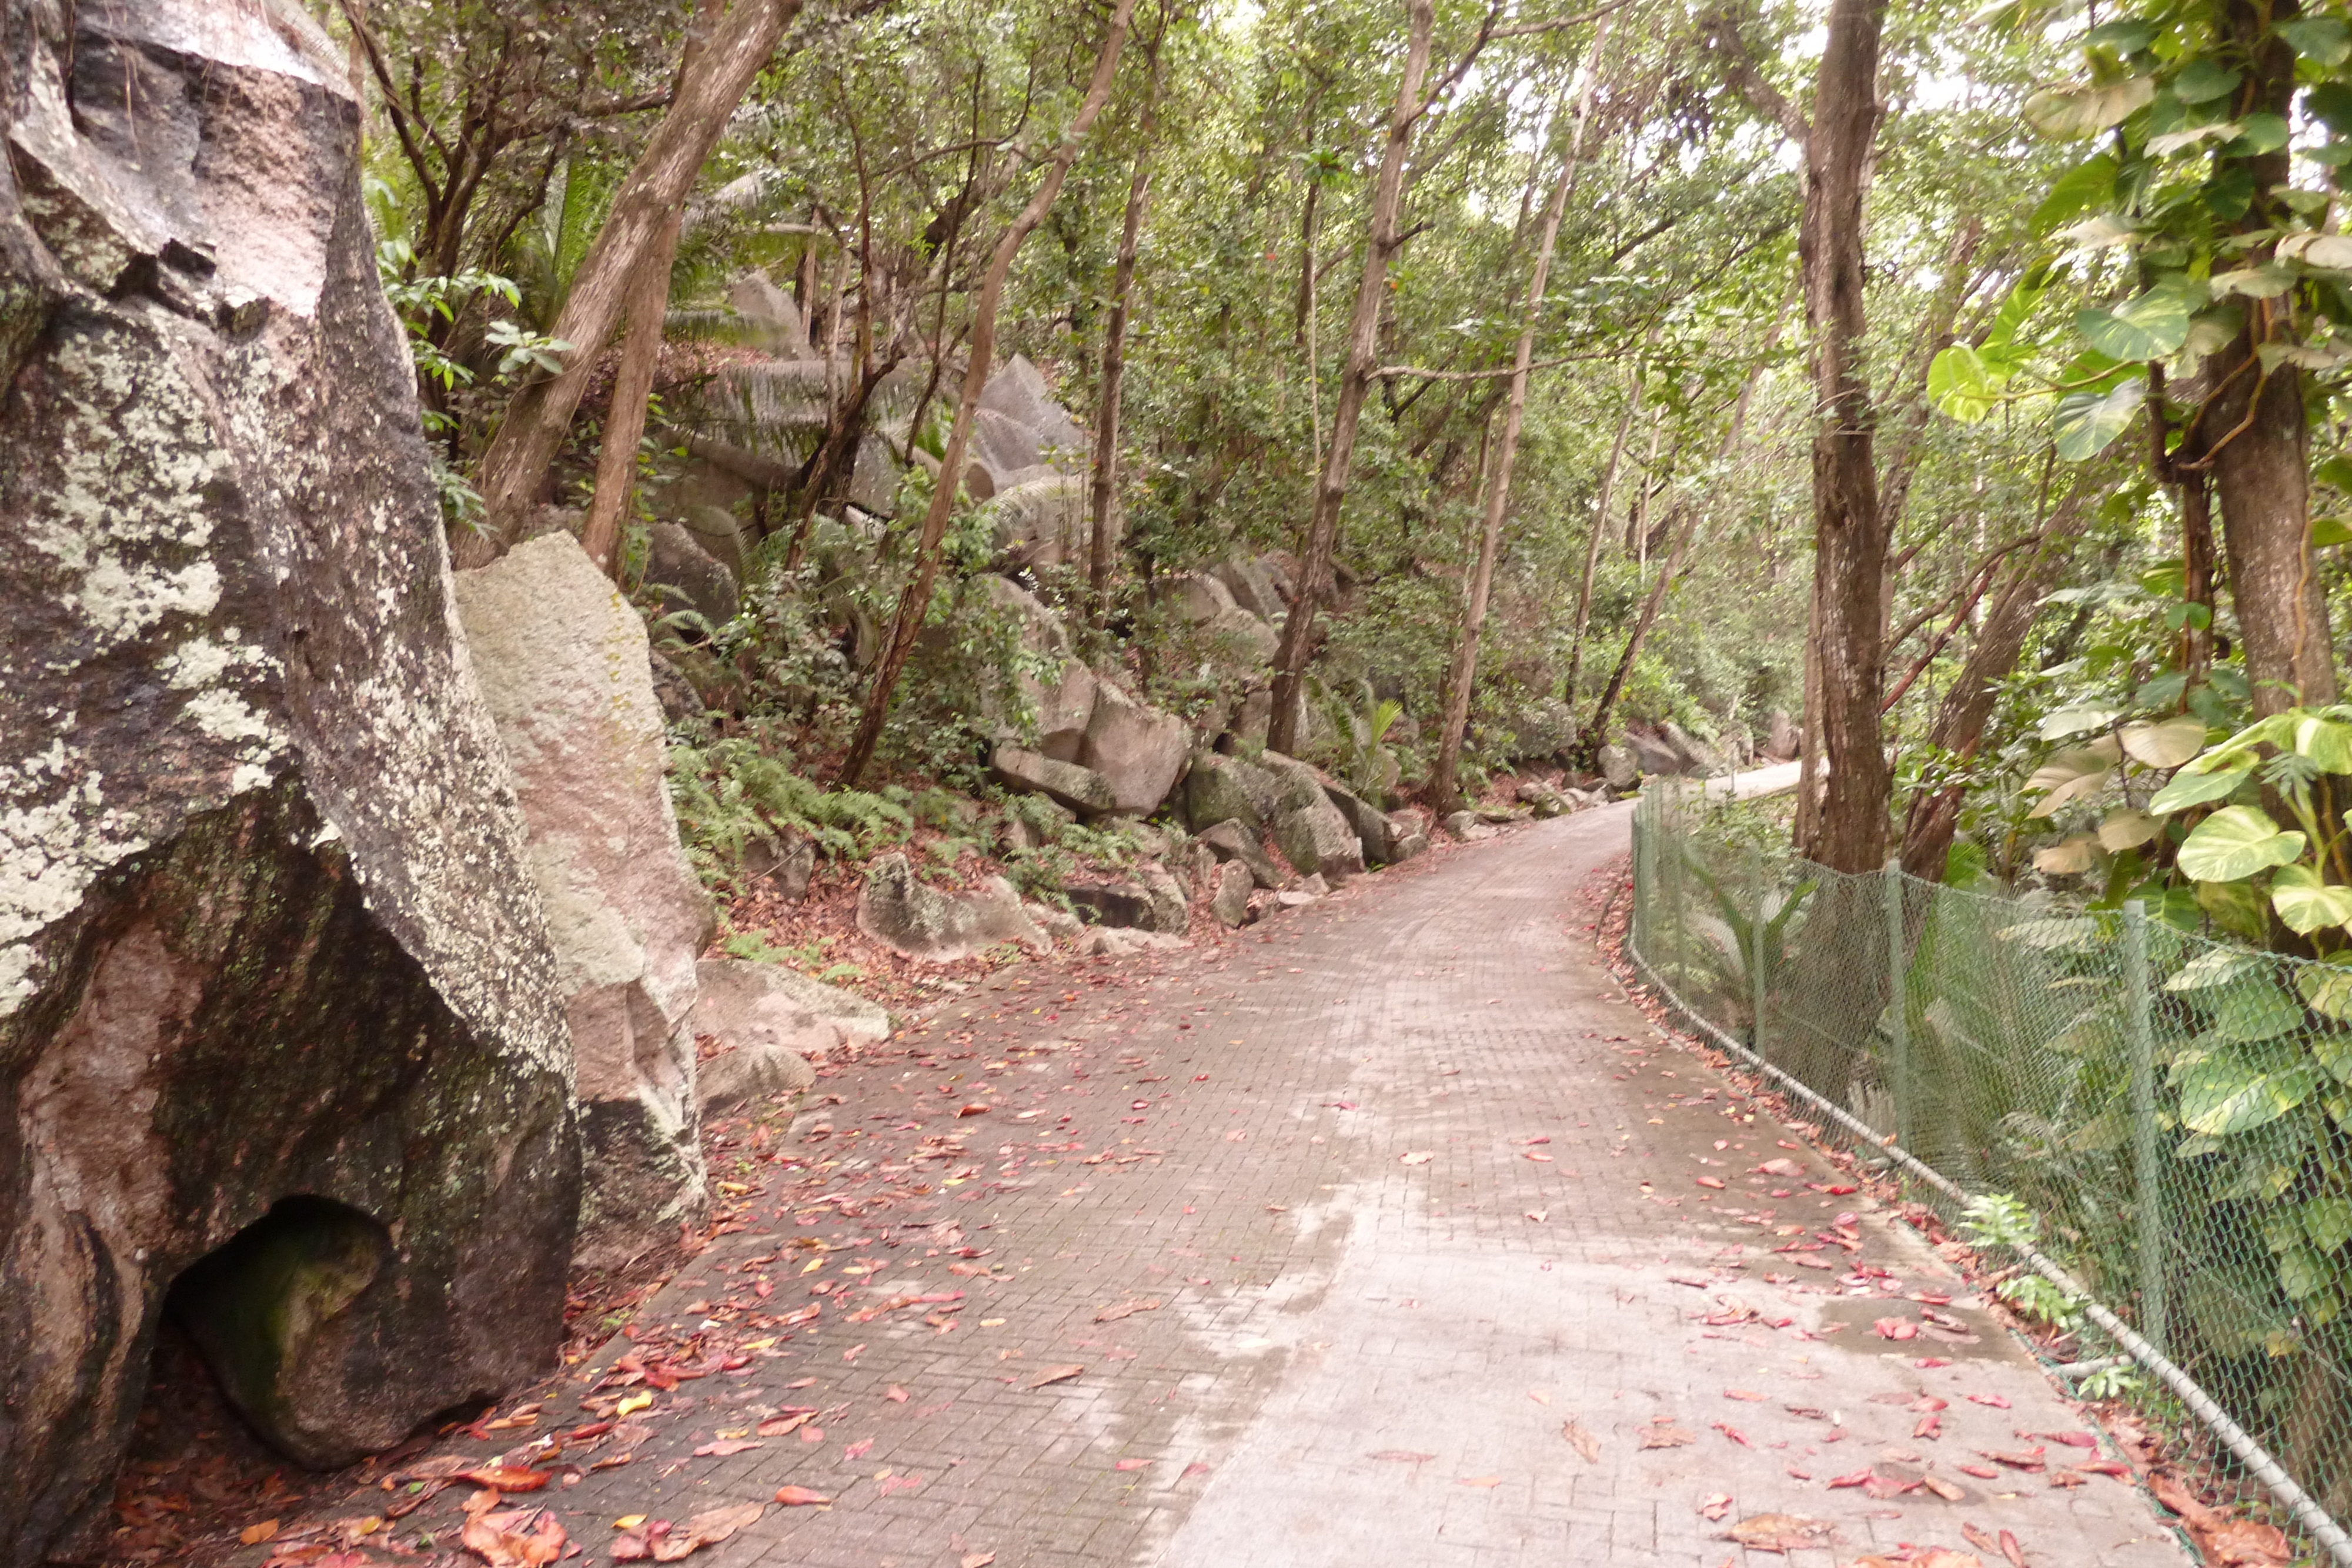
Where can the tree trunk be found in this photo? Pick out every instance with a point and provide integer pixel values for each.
(2256, 440)
(1650, 608)
(515, 469)
(1100, 540)
(1443, 792)
(1381, 241)
(1849, 532)
(1968, 707)
(915, 600)
(1588, 740)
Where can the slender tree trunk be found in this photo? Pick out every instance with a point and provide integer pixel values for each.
(2196, 578)
(1307, 329)
(915, 600)
(1101, 541)
(1641, 625)
(514, 470)
(1934, 814)
(625, 417)
(1381, 241)
(1587, 739)
(1850, 530)
(1806, 831)
(646, 307)
(1443, 791)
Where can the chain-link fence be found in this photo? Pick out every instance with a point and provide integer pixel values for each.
(2175, 1112)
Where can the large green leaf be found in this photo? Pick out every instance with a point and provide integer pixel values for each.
(2224, 1093)
(2215, 967)
(1962, 384)
(2327, 1221)
(2203, 81)
(2235, 843)
(2167, 745)
(2329, 988)
(2306, 903)
(2254, 1010)
(2326, 742)
(2088, 421)
(2324, 40)
(2195, 789)
(2073, 113)
(2149, 326)
(2088, 184)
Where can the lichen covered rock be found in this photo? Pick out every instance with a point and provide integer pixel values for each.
(922, 922)
(561, 658)
(267, 936)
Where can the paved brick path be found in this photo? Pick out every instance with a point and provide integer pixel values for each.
(1352, 1359)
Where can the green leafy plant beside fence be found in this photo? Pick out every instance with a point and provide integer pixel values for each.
(2174, 1112)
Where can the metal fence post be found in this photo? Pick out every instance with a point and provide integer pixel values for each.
(2146, 1168)
(1756, 978)
(1898, 1006)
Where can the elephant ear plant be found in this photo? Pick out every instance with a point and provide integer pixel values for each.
(2248, 870)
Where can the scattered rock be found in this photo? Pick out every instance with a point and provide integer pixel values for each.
(1197, 598)
(1410, 845)
(1114, 942)
(1230, 840)
(1315, 885)
(560, 659)
(1372, 827)
(1783, 740)
(1058, 925)
(1465, 826)
(1040, 523)
(1063, 707)
(1655, 756)
(785, 864)
(680, 701)
(1543, 728)
(689, 578)
(1619, 769)
(1545, 800)
(1316, 838)
(772, 1022)
(1230, 900)
(922, 922)
(1081, 789)
(1018, 390)
(1697, 756)
(1133, 905)
(1242, 638)
(1170, 909)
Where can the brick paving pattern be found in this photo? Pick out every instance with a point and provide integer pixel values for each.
(1418, 1194)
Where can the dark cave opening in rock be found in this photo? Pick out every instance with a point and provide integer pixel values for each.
(252, 1309)
(203, 1462)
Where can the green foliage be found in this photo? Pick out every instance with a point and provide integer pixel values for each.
(730, 794)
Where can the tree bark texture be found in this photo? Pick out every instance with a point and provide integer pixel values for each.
(915, 600)
(646, 307)
(515, 469)
(1381, 241)
(1101, 541)
(1968, 705)
(1463, 675)
(2256, 440)
(1850, 530)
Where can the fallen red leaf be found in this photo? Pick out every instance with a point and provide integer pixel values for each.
(505, 1478)
(1132, 1464)
(1717, 1506)
(725, 1447)
(1896, 1328)
(1056, 1375)
(1859, 1478)
(800, 1496)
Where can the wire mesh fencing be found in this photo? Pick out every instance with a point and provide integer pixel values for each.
(2174, 1113)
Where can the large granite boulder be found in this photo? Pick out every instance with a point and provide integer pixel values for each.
(560, 659)
(922, 922)
(1223, 788)
(1783, 740)
(276, 1012)
(1151, 902)
(769, 1025)
(1140, 751)
(1079, 788)
(1063, 706)
(1544, 728)
(1252, 587)
(1618, 767)
(1041, 521)
(1198, 597)
(1229, 896)
(1313, 834)
(1697, 756)
(1019, 393)
(1372, 828)
(1653, 755)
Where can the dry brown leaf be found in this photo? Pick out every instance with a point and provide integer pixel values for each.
(1944, 1488)
(1056, 1375)
(1945, 1557)
(1666, 1437)
(1780, 1533)
(521, 1538)
(800, 1496)
(707, 1529)
(977, 1560)
(1583, 1442)
(1715, 1507)
(1125, 1310)
(254, 1535)
(2247, 1544)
